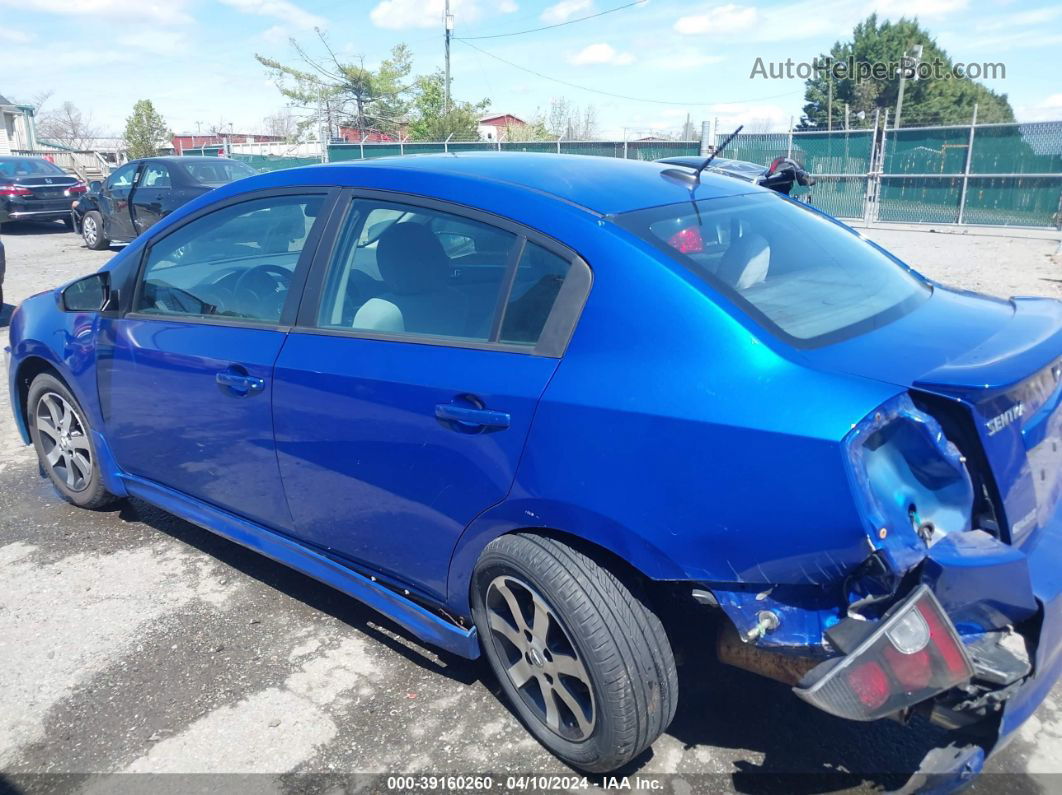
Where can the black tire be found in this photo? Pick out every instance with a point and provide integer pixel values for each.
(92, 231)
(615, 640)
(71, 464)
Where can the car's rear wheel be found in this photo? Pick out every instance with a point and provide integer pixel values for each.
(92, 231)
(583, 660)
(61, 437)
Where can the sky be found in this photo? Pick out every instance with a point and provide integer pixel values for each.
(667, 58)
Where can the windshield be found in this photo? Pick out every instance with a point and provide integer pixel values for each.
(11, 167)
(807, 278)
(217, 172)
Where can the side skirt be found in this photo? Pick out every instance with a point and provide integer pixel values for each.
(422, 623)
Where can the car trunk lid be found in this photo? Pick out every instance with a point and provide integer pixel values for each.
(1003, 361)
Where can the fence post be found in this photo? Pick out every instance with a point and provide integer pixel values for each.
(361, 146)
(558, 142)
(871, 199)
(446, 143)
(624, 143)
(401, 144)
(789, 144)
(705, 133)
(966, 168)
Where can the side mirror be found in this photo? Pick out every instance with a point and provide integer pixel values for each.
(95, 186)
(91, 294)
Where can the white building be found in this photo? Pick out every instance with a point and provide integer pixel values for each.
(17, 130)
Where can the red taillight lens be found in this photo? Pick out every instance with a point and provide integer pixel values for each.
(910, 656)
(80, 187)
(14, 190)
(687, 241)
(912, 671)
(870, 684)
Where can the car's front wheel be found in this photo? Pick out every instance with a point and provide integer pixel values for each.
(61, 437)
(582, 658)
(92, 231)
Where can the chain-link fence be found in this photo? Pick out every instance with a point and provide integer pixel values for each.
(996, 174)
(633, 150)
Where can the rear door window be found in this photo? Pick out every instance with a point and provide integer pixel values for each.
(419, 272)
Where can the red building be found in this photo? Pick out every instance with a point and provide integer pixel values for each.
(184, 141)
(495, 128)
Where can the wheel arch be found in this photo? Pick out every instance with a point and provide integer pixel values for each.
(28, 369)
(615, 545)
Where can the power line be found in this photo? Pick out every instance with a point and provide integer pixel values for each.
(556, 25)
(684, 104)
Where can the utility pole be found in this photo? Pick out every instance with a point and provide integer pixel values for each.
(914, 58)
(829, 106)
(448, 25)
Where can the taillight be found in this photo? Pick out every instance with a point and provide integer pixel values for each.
(14, 190)
(912, 655)
(80, 187)
(687, 241)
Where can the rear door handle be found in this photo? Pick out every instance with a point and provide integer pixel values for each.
(239, 382)
(470, 419)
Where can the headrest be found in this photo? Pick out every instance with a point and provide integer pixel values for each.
(411, 259)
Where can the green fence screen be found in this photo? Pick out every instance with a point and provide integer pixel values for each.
(1010, 175)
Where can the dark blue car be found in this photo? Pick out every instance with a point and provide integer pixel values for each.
(544, 407)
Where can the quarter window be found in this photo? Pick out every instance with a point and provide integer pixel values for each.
(539, 277)
(236, 262)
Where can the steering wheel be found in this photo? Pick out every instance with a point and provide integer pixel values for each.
(260, 291)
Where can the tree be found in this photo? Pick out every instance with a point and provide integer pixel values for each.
(145, 131)
(933, 99)
(66, 126)
(568, 121)
(282, 125)
(332, 93)
(430, 121)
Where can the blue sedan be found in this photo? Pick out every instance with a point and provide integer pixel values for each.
(546, 408)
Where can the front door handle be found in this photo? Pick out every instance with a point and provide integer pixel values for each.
(470, 419)
(237, 381)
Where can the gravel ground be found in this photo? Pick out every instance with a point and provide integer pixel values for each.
(133, 641)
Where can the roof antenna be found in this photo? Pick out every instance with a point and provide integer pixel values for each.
(718, 149)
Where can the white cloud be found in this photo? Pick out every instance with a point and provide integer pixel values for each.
(276, 34)
(601, 53)
(166, 12)
(283, 10)
(12, 36)
(402, 14)
(163, 42)
(1047, 109)
(923, 9)
(565, 10)
(720, 20)
(508, 7)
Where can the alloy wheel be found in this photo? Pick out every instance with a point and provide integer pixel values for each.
(64, 441)
(89, 230)
(541, 662)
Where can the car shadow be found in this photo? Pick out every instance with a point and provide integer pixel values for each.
(800, 749)
(32, 228)
(307, 590)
